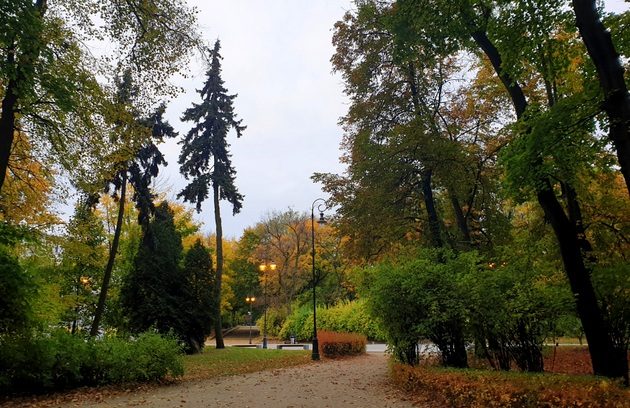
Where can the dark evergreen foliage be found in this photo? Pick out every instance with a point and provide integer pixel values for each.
(201, 307)
(145, 166)
(15, 292)
(205, 158)
(153, 294)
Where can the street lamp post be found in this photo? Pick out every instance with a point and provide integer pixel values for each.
(321, 207)
(263, 267)
(250, 300)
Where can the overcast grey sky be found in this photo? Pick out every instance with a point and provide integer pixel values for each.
(276, 58)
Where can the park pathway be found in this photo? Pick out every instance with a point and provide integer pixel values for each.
(352, 382)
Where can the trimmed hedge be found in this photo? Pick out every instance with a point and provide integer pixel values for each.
(332, 344)
(477, 388)
(59, 360)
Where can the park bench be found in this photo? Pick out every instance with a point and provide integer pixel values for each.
(294, 345)
(245, 345)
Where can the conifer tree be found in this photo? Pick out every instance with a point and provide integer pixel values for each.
(200, 280)
(153, 294)
(205, 159)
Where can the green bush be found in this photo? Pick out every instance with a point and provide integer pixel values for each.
(514, 307)
(275, 319)
(25, 363)
(613, 287)
(345, 317)
(70, 353)
(156, 357)
(59, 360)
(48, 361)
(299, 324)
(332, 344)
(350, 317)
(16, 288)
(149, 357)
(423, 298)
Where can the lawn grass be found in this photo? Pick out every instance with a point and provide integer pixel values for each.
(214, 363)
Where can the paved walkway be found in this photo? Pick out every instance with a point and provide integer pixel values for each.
(352, 382)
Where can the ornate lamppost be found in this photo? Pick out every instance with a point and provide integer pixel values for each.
(263, 268)
(250, 300)
(321, 207)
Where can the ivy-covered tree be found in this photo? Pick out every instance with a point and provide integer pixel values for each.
(139, 171)
(205, 159)
(201, 307)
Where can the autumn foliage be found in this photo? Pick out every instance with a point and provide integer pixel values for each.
(332, 344)
(568, 360)
(485, 388)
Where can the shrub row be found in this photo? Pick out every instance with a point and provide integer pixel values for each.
(345, 317)
(275, 318)
(59, 360)
(350, 317)
(300, 324)
(332, 344)
(506, 309)
(474, 388)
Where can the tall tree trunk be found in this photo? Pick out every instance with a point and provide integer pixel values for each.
(611, 78)
(462, 222)
(218, 326)
(107, 276)
(427, 192)
(513, 88)
(429, 203)
(11, 97)
(7, 127)
(605, 358)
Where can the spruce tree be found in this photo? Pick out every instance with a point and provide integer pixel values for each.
(205, 159)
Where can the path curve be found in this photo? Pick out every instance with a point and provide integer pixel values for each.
(353, 382)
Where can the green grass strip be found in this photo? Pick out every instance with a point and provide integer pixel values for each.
(214, 363)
